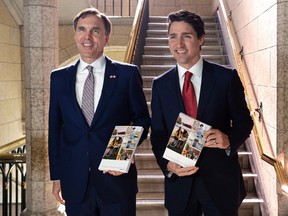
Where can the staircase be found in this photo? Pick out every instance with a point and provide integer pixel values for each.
(156, 60)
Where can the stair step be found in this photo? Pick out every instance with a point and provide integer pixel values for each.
(146, 143)
(163, 33)
(163, 26)
(148, 93)
(163, 19)
(147, 81)
(169, 59)
(164, 50)
(153, 201)
(145, 161)
(149, 174)
(151, 204)
(154, 70)
(164, 41)
(159, 198)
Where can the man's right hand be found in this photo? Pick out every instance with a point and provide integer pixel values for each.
(181, 171)
(56, 191)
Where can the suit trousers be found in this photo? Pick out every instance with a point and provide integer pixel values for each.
(200, 203)
(93, 205)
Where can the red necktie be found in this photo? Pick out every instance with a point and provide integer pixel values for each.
(189, 97)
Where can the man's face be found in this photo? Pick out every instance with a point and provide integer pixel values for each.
(90, 37)
(184, 44)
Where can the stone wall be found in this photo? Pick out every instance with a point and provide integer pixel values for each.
(261, 29)
(11, 127)
(164, 7)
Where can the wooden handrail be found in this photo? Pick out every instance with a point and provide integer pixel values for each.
(134, 33)
(13, 158)
(12, 145)
(243, 73)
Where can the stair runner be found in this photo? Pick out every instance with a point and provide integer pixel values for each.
(150, 199)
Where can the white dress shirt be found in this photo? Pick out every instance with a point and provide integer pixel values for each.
(98, 71)
(196, 79)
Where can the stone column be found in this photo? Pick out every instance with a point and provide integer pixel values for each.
(282, 98)
(40, 57)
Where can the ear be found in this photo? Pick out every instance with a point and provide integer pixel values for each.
(201, 40)
(107, 39)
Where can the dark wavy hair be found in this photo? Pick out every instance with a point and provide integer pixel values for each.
(189, 17)
(93, 11)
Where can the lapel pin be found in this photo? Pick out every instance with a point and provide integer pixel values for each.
(112, 76)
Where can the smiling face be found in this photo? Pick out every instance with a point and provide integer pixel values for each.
(184, 44)
(90, 37)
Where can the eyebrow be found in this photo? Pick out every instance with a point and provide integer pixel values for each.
(93, 28)
(183, 33)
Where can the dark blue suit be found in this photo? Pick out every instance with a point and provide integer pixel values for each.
(221, 102)
(75, 147)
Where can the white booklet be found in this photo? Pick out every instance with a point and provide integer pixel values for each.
(121, 148)
(186, 141)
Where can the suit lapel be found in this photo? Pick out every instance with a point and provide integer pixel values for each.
(173, 87)
(110, 79)
(71, 82)
(207, 86)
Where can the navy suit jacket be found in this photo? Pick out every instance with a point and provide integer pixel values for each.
(75, 147)
(222, 105)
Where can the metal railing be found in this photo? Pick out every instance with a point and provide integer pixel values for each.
(13, 177)
(250, 93)
(115, 7)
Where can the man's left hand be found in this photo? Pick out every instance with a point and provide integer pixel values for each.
(216, 139)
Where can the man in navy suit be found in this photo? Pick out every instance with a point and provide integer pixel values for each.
(77, 146)
(215, 185)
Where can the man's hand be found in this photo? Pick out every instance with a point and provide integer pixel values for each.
(216, 139)
(118, 173)
(181, 171)
(56, 191)
(113, 172)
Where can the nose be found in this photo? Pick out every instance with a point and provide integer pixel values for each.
(87, 34)
(179, 42)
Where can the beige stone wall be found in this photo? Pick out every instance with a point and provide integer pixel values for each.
(260, 27)
(11, 127)
(164, 7)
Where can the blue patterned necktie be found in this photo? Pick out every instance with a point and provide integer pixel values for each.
(88, 96)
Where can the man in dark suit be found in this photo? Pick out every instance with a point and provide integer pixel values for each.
(77, 141)
(215, 185)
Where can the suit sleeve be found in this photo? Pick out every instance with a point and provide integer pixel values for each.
(241, 120)
(138, 104)
(54, 130)
(159, 133)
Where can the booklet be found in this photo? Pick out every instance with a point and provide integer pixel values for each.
(121, 148)
(186, 141)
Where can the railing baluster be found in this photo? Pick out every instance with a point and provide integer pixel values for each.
(10, 189)
(5, 191)
(23, 190)
(16, 190)
(121, 7)
(113, 12)
(101, 5)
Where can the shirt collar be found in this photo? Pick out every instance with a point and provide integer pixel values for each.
(195, 69)
(98, 64)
